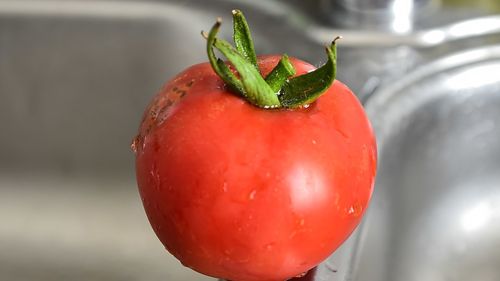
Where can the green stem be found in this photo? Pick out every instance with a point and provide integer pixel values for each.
(242, 38)
(305, 89)
(251, 84)
(278, 76)
(255, 88)
(218, 65)
(278, 89)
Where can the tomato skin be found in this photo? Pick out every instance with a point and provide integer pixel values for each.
(246, 194)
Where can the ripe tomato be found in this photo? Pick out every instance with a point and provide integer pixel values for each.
(238, 192)
(261, 186)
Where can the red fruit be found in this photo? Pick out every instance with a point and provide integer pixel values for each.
(249, 194)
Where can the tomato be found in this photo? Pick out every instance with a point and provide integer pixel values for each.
(244, 193)
(238, 192)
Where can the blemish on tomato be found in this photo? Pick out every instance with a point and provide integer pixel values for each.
(153, 113)
(162, 114)
(135, 143)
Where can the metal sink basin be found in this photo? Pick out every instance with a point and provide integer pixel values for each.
(435, 214)
(75, 77)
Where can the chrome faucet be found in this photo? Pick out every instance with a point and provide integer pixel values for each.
(389, 15)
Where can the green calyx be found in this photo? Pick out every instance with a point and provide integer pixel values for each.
(277, 89)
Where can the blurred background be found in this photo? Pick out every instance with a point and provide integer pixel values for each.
(76, 75)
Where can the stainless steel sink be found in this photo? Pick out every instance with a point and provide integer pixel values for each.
(435, 214)
(75, 77)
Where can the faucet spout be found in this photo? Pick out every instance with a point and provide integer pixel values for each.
(390, 15)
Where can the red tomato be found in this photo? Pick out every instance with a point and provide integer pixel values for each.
(242, 193)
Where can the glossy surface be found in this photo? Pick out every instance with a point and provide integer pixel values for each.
(436, 215)
(242, 193)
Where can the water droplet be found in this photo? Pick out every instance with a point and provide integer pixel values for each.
(301, 275)
(155, 177)
(251, 196)
(355, 209)
(270, 246)
(224, 187)
(145, 202)
(194, 238)
(313, 141)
